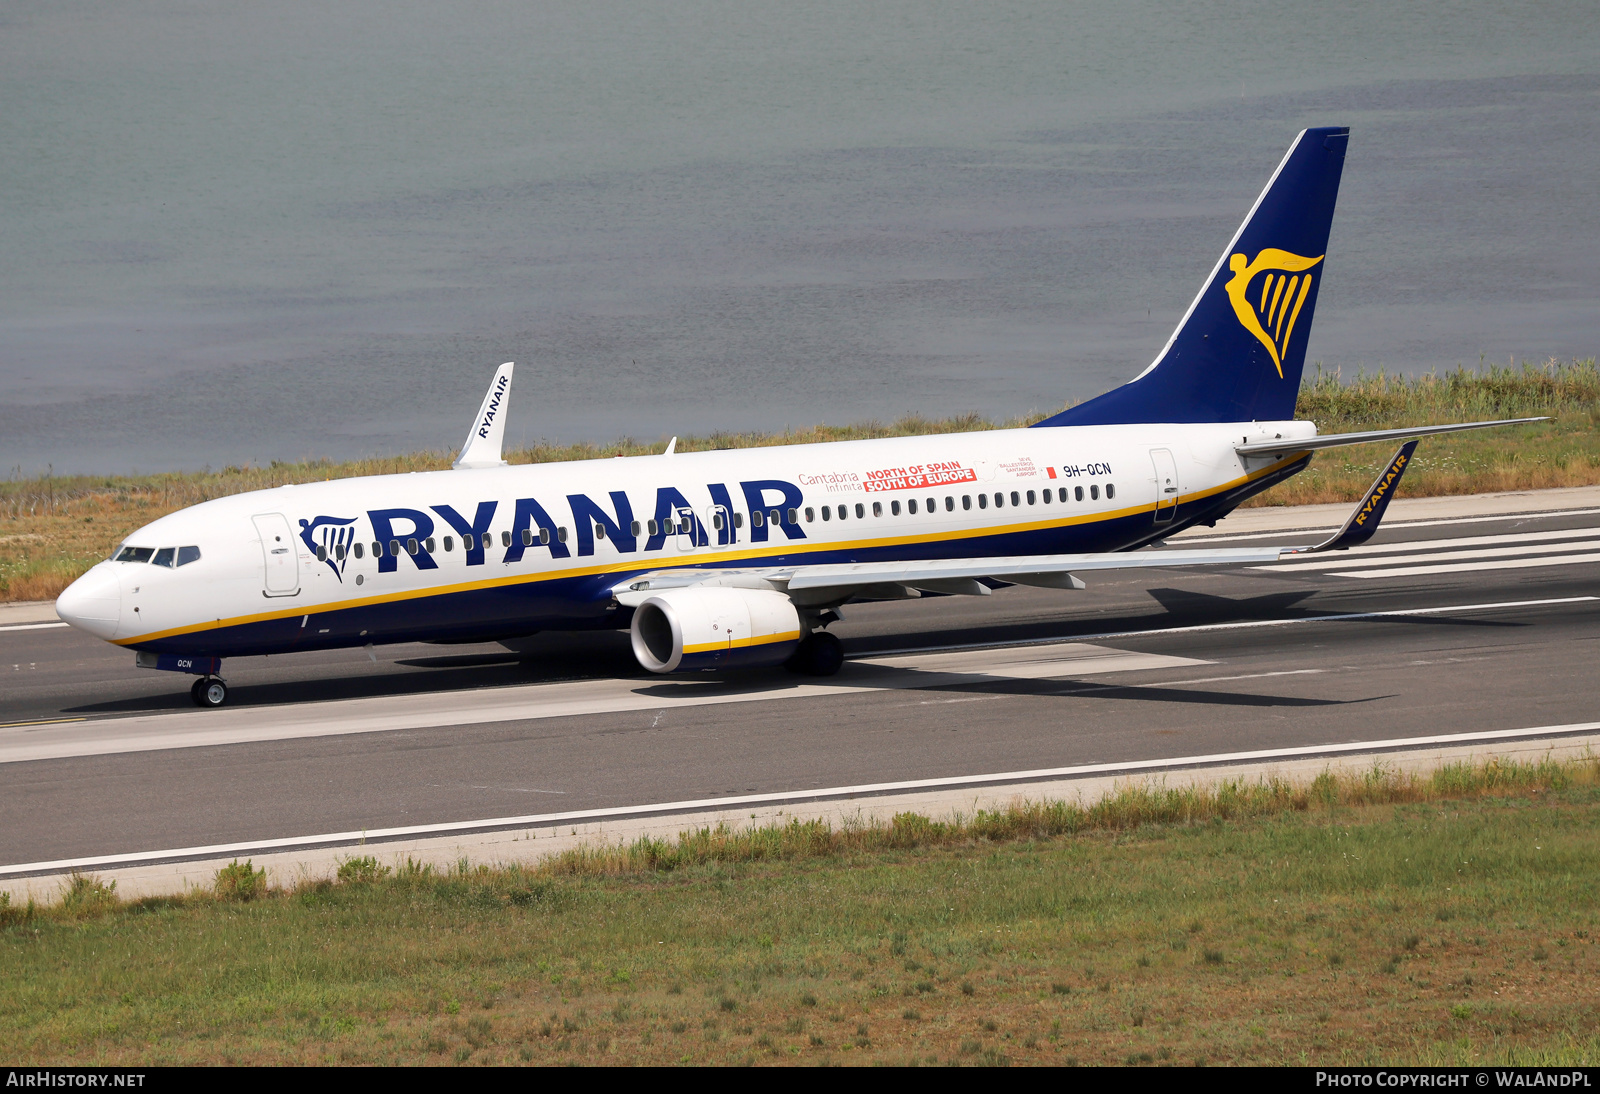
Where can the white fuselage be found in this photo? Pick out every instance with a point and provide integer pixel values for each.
(314, 565)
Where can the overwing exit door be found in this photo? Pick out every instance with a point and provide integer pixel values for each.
(278, 550)
(1166, 484)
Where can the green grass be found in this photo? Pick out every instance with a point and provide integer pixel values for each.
(1444, 919)
(53, 529)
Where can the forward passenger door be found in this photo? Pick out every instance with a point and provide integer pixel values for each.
(278, 550)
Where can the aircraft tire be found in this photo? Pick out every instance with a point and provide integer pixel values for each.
(209, 692)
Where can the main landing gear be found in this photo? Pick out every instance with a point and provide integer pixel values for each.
(209, 691)
(819, 654)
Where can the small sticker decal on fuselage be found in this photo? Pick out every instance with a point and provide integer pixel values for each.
(918, 476)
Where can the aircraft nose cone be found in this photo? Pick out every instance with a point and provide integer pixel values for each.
(93, 602)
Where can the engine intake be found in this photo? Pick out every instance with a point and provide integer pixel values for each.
(681, 630)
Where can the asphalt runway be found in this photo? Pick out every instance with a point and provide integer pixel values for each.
(1444, 626)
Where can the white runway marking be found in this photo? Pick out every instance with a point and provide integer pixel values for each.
(244, 725)
(1489, 546)
(8, 628)
(544, 820)
(1470, 567)
(1207, 540)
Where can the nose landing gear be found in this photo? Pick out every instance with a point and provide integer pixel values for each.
(209, 691)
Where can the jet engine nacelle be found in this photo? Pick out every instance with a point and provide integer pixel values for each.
(680, 630)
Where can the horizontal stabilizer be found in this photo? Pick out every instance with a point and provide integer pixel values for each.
(489, 428)
(1339, 440)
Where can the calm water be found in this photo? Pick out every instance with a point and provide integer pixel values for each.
(245, 231)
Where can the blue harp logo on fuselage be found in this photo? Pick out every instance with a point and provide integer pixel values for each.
(334, 536)
(1267, 294)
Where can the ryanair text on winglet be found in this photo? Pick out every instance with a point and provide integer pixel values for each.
(1382, 488)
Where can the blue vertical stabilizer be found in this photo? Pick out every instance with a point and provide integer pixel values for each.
(1238, 353)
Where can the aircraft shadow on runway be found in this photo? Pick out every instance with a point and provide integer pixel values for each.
(893, 678)
(607, 654)
(483, 667)
(1180, 608)
(1203, 608)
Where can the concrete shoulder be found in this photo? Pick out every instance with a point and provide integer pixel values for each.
(27, 611)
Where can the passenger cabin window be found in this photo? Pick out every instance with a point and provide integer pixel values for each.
(135, 554)
(794, 516)
(1030, 497)
(527, 537)
(983, 501)
(488, 541)
(1063, 493)
(877, 508)
(811, 515)
(894, 508)
(322, 555)
(430, 545)
(561, 534)
(505, 539)
(1094, 493)
(599, 531)
(861, 511)
(757, 518)
(187, 555)
(339, 550)
(449, 544)
(1016, 499)
(966, 502)
(360, 550)
(1078, 492)
(1111, 490)
(411, 546)
(738, 520)
(827, 512)
(843, 512)
(911, 506)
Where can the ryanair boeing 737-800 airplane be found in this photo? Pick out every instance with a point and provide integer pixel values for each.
(743, 558)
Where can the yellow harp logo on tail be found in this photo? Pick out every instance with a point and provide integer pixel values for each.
(1269, 306)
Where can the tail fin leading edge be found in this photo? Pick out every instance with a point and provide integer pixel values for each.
(1238, 353)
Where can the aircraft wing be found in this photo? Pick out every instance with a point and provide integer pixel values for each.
(893, 580)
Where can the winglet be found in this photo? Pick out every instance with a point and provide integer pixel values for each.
(483, 443)
(1369, 513)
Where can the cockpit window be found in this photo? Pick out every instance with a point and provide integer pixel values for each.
(163, 557)
(135, 554)
(187, 555)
